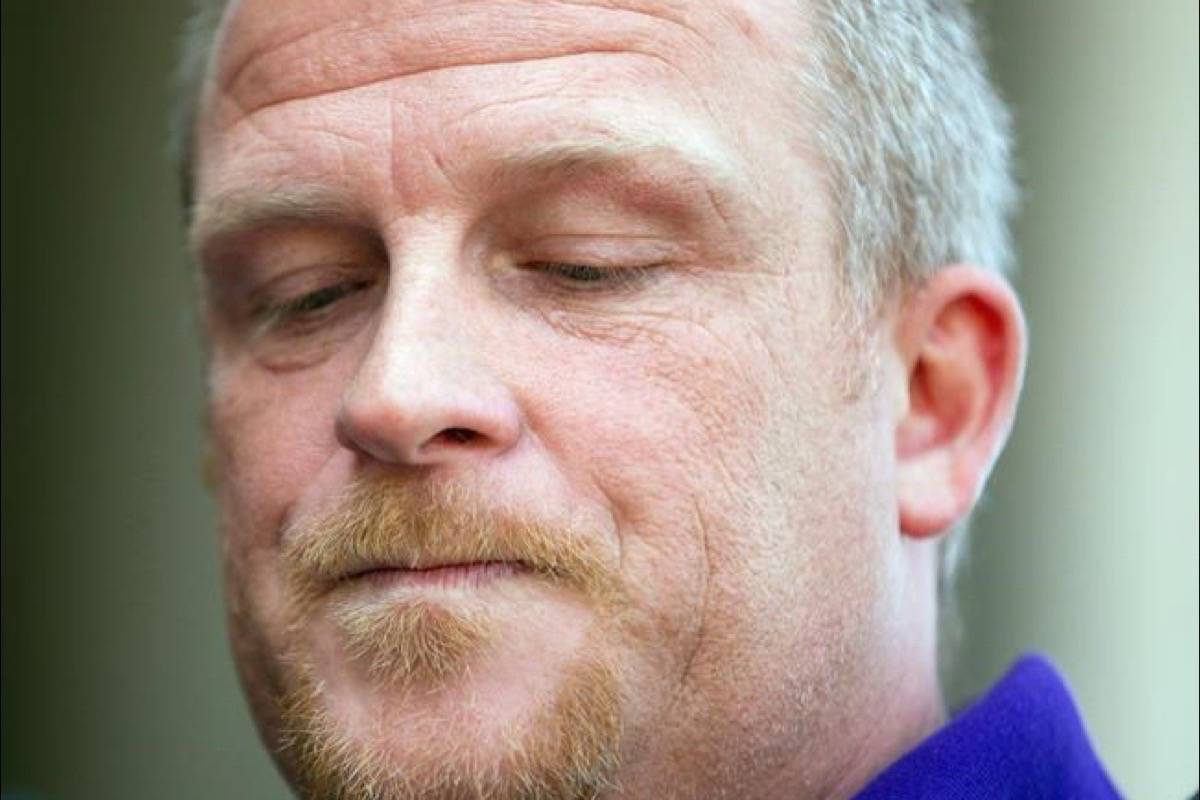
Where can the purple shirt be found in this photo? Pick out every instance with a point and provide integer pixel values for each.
(1023, 739)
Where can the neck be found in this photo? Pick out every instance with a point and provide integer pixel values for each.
(907, 704)
(908, 715)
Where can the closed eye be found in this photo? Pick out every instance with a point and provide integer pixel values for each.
(589, 277)
(321, 298)
(307, 304)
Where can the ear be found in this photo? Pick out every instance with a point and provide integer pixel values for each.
(961, 339)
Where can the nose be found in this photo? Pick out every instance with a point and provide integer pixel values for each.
(423, 394)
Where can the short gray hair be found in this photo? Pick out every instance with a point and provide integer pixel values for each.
(196, 43)
(914, 140)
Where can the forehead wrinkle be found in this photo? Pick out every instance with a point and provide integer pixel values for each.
(248, 110)
(680, 21)
(236, 69)
(346, 52)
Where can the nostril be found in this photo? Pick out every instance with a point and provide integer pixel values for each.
(453, 439)
(456, 436)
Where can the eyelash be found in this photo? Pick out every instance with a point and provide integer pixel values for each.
(308, 306)
(589, 277)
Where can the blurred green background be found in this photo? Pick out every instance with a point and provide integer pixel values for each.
(116, 678)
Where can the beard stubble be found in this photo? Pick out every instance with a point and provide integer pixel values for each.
(569, 746)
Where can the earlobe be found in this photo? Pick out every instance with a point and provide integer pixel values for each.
(962, 340)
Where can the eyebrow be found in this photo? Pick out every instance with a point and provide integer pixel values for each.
(704, 166)
(242, 210)
(692, 165)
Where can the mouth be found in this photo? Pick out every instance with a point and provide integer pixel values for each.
(449, 576)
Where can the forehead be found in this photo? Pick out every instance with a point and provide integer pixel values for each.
(268, 48)
(405, 101)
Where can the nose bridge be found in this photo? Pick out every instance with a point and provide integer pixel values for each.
(423, 344)
(425, 307)
(425, 392)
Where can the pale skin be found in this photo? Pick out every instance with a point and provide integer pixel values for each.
(578, 259)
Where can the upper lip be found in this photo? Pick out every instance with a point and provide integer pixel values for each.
(424, 566)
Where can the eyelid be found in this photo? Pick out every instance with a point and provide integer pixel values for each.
(293, 307)
(265, 309)
(287, 338)
(613, 250)
(301, 281)
(596, 278)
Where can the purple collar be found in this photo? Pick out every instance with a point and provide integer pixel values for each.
(1024, 738)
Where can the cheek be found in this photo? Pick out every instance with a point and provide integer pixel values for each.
(662, 415)
(272, 436)
(272, 433)
(744, 476)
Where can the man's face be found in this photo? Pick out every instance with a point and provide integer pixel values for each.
(546, 454)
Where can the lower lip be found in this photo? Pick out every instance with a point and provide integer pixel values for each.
(456, 576)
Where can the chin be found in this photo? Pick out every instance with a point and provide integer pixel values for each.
(449, 695)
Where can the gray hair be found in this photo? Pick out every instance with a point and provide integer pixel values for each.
(196, 43)
(915, 144)
(914, 140)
